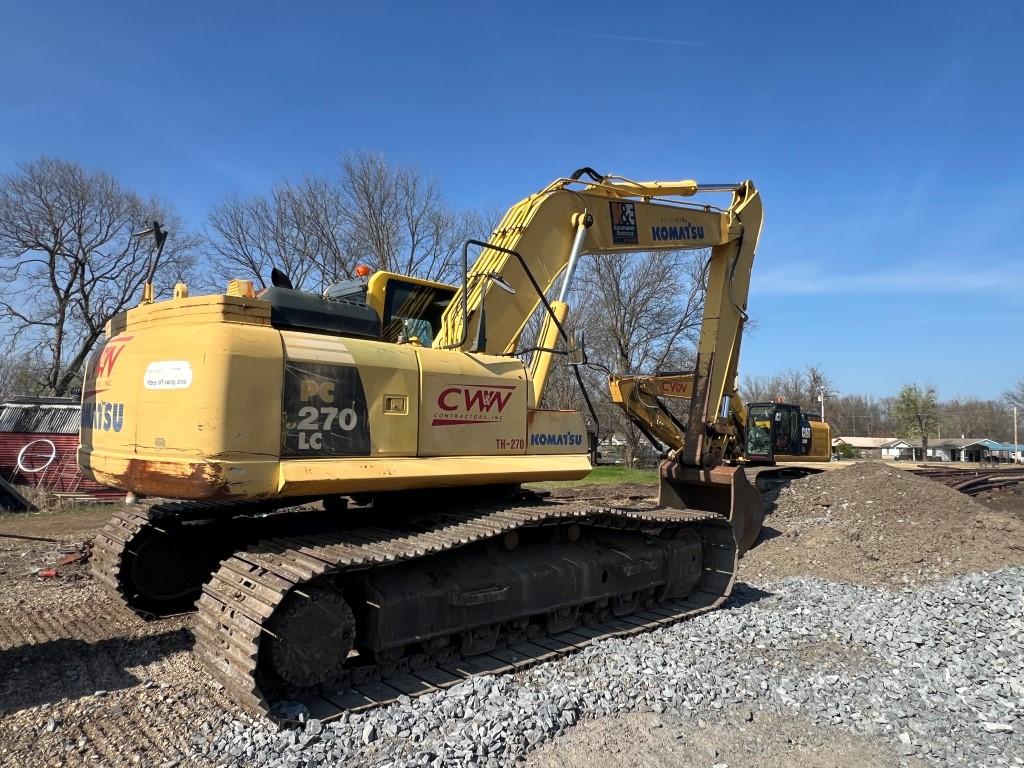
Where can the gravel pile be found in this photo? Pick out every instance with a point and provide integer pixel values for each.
(934, 672)
(871, 524)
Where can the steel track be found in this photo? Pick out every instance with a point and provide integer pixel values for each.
(114, 545)
(244, 593)
(972, 481)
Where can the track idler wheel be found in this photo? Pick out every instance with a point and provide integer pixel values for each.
(163, 572)
(313, 631)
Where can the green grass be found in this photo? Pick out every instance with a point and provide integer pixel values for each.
(607, 476)
(55, 511)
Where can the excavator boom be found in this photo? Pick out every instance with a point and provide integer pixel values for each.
(543, 237)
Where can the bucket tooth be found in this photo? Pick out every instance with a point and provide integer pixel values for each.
(722, 490)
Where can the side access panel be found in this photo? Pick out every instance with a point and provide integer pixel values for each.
(347, 398)
(198, 422)
(821, 442)
(556, 432)
(472, 405)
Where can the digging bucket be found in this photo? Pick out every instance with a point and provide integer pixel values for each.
(722, 490)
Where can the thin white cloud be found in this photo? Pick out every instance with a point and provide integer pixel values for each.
(245, 179)
(632, 39)
(914, 279)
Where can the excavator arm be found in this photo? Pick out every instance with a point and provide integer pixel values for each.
(640, 397)
(542, 238)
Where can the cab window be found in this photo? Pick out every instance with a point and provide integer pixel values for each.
(759, 429)
(414, 310)
(787, 430)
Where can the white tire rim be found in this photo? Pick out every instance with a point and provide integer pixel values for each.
(47, 463)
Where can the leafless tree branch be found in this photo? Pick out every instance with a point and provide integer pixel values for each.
(66, 245)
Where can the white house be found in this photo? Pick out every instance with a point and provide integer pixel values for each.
(971, 449)
(889, 448)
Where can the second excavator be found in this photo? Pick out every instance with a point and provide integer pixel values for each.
(345, 471)
(764, 434)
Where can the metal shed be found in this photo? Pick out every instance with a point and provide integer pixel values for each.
(39, 446)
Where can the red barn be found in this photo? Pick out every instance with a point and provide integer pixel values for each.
(39, 445)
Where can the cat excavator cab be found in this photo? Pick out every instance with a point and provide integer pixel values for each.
(781, 433)
(344, 472)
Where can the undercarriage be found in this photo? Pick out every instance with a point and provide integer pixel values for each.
(345, 610)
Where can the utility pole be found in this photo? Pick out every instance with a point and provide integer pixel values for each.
(1016, 445)
(821, 399)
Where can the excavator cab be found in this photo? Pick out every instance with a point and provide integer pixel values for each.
(775, 429)
(408, 307)
(413, 308)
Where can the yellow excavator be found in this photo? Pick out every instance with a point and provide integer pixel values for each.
(765, 434)
(344, 471)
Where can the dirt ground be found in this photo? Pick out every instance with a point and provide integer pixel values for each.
(766, 741)
(1009, 499)
(869, 523)
(86, 683)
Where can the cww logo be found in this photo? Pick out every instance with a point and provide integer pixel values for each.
(471, 404)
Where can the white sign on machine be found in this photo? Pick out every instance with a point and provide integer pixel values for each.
(168, 374)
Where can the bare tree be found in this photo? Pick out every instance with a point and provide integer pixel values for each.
(398, 219)
(973, 417)
(22, 372)
(383, 215)
(292, 229)
(66, 249)
(819, 386)
(797, 387)
(860, 415)
(757, 389)
(643, 312)
(1015, 396)
(640, 314)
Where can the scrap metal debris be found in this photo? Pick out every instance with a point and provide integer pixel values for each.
(972, 481)
(74, 553)
(65, 558)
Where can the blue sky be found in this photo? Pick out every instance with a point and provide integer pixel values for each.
(886, 137)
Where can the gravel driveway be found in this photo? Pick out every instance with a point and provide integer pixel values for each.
(933, 674)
